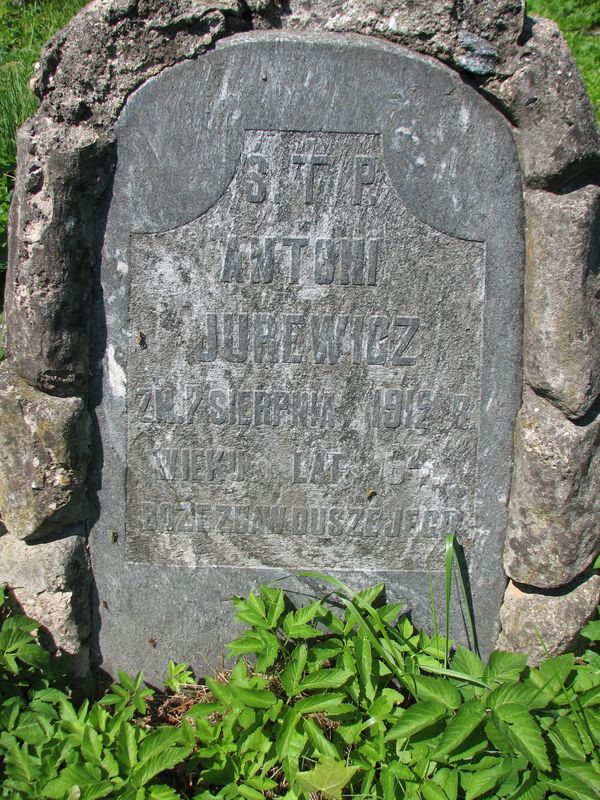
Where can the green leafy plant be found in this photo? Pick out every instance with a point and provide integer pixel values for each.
(345, 699)
(179, 676)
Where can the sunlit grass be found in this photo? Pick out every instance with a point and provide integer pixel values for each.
(579, 20)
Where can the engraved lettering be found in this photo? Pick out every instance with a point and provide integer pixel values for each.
(423, 406)
(209, 342)
(296, 244)
(232, 263)
(217, 408)
(256, 186)
(325, 253)
(309, 161)
(148, 516)
(358, 263)
(143, 397)
(377, 340)
(364, 175)
(229, 352)
(327, 334)
(292, 323)
(412, 326)
(265, 341)
(461, 412)
(261, 260)
(167, 461)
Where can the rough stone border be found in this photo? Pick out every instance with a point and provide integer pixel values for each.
(66, 157)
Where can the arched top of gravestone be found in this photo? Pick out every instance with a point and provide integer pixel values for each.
(450, 155)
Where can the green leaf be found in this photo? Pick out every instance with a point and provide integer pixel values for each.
(448, 779)
(324, 679)
(592, 630)
(329, 777)
(424, 687)
(289, 742)
(318, 740)
(295, 624)
(251, 611)
(160, 740)
(221, 691)
(291, 675)
(416, 718)
(364, 663)
(126, 752)
(516, 692)
(157, 763)
(468, 662)
(460, 727)
(325, 651)
(325, 704)
(484, 780)
(573, 784)
(431, 791)
(552, 675)
(588, 773)
(566, 739)
(248, 792)
(275, 604)
(81, 775)
(505, 666)
(163, 793)
(254, 698)
(269, 654)
(524, 734)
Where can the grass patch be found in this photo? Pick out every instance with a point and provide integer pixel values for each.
(579, 20)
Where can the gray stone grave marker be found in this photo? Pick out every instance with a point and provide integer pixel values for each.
(312, 298)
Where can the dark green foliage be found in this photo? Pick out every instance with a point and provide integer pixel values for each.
(358, 704)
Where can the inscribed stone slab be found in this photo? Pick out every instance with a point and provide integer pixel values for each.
(312, 302)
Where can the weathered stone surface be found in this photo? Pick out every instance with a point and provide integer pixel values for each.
(44, 443)
(475, 37)
(51, 583)
(89, 67)
(553, 533)
(562, 317)
(54, 233)
(300, 348)
(87, 70)
(556, 618)
(557, 133)
(66, 160)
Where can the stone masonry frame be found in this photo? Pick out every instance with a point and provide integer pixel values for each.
(66, 158)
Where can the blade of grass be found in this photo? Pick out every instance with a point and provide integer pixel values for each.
(449, 564)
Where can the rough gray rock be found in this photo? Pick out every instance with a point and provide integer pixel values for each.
(555, 618)
(562, 318)
(88, 70)
(54, 230)
(545, 98)
(553, 532)
(44, 443)
(475, 37)
(51, 583)
(66, 160)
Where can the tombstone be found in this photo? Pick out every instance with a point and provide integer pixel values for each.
(306, 332)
